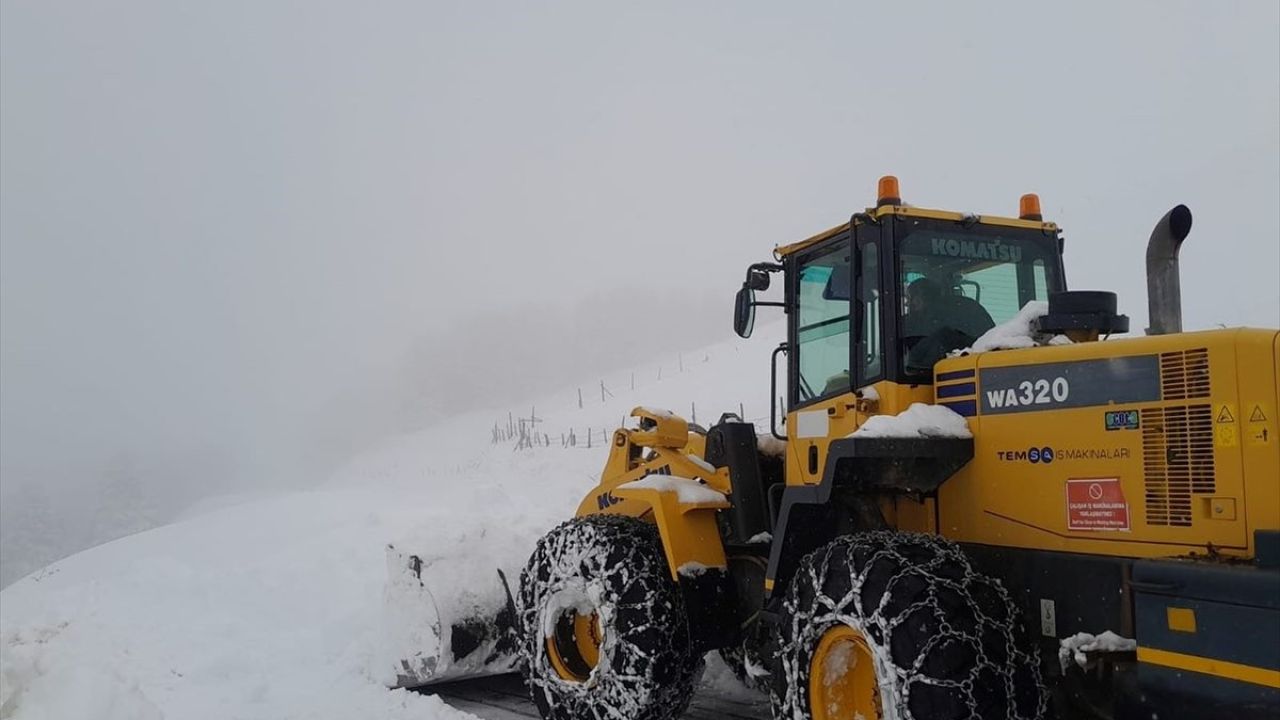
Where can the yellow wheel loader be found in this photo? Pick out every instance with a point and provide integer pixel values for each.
(977, 504)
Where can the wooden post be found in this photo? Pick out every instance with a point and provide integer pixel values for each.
(579, 398)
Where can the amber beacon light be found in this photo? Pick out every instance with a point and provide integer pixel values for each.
(1029, 207)
(888, 193)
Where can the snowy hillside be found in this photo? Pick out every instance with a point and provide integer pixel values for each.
(271, 608)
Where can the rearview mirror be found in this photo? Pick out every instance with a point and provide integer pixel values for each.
(744, 312)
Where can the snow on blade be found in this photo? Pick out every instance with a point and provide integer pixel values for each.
(686, 490)
(917, 421)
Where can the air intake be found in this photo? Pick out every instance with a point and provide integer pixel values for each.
(1177, 457)
(1184, 375)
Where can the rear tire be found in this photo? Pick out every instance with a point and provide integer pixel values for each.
(604, 633)
(942, 638)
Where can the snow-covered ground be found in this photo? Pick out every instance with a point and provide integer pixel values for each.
(271, 607)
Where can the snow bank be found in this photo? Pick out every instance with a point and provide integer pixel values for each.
(917, 421)
(271, 608)
(30, 676)
(1077, 646)
(265, 610)
(686, 490)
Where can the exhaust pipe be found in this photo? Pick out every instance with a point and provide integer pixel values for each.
(1164, 289)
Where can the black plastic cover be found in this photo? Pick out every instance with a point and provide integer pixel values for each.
(1083, 310)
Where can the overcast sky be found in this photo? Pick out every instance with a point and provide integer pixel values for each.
(237, 239)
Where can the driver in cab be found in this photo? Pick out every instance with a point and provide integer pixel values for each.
(938, 322)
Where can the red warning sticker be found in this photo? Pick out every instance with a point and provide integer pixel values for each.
(1096, 504)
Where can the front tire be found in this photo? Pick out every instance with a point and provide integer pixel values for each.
(897, 625)
(604, 632)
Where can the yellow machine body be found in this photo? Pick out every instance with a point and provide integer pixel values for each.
(1001, 497)
(1224, 417)
(1117, 457)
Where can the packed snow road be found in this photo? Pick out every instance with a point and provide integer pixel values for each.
(504, 697)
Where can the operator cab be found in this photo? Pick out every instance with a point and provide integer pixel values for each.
(926, 283)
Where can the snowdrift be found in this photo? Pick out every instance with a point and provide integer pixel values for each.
(273, 608)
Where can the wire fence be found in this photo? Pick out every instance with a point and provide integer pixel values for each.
(526, 432)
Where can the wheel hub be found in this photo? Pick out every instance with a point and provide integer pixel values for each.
(574, 645)
(842, 677)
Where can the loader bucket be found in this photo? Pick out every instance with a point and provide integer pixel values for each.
(451, 633)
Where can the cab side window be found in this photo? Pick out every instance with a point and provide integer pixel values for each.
(823, 328)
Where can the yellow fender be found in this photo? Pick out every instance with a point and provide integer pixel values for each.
(690, 535)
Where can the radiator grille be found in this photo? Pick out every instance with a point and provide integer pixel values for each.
(1177, 455)
(1184, 374)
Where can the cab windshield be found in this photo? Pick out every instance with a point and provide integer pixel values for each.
(956, 285)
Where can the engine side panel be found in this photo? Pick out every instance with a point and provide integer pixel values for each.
(1140, 447)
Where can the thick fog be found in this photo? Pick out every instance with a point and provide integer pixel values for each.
(242, 241)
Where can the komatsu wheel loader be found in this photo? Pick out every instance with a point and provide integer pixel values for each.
(1091, 527)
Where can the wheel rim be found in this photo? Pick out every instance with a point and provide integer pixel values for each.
(574, 645)
(842, 677)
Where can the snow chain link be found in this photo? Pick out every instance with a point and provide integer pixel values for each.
(644, 672)
(950, 586)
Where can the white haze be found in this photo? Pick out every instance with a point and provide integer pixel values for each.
(240, 240)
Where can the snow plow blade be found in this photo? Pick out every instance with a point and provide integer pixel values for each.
(458, 631)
